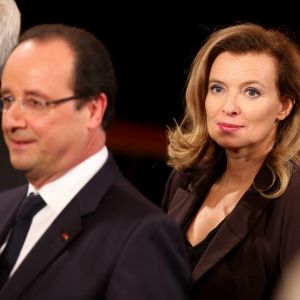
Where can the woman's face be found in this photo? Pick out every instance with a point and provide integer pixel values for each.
(243, 104)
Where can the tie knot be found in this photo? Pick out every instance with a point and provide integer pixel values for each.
(9, 256)
(33, 203)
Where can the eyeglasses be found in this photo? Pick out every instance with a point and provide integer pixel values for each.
(32, 104)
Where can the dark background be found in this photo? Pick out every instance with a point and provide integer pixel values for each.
(152, 45)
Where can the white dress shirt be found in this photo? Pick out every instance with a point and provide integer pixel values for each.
(57, 195)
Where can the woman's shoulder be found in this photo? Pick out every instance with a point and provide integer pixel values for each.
(295, 176)
(291, 196)
(177, 179)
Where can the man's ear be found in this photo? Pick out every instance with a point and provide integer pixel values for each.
(286, 108)
(97, 108)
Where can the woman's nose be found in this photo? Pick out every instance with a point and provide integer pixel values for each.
(231, 105)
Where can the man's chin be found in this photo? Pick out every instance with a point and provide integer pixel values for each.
(21, 167)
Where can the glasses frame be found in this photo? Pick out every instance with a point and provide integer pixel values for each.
(45, 103)
(62, 100)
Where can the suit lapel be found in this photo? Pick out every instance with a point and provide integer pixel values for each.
(60, 234)
(9, 203)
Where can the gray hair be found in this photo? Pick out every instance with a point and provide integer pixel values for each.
(10, 24)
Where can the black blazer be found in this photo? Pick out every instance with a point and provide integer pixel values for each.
(120, 246)
(254, 244)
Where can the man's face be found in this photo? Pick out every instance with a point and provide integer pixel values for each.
(46, 144)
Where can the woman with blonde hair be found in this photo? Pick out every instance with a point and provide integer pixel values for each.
(235, 185)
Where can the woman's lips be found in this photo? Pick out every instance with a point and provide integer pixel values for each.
(228, 127)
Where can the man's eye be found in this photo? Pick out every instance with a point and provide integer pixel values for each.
(35, 102)
(7, 99)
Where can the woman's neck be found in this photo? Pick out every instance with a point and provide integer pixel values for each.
(242, 169)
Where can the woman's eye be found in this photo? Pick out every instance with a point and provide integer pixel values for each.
(252, 92)
(217, 89)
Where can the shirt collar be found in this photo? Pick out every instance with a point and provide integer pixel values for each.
(58, 193)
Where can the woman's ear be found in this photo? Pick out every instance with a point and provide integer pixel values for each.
(287, 105)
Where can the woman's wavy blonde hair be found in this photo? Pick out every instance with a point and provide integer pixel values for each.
(189, 142)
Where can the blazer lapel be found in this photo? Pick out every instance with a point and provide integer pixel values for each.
(186, 200)
(182, 205)
(234, 229)
(236, 226)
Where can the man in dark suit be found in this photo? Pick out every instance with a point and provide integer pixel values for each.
(96, 237)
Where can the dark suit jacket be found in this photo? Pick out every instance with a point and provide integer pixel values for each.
(120, 246)
(253, 245)
(9, 177)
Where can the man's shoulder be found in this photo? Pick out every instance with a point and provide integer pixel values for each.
(9, 197)
(127, 195)
(14, 191)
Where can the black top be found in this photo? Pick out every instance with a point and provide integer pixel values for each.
(195, 252)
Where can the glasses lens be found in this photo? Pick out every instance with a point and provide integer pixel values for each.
(5, 103)
(34, 104)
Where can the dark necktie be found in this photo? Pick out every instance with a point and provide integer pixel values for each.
(33, 203)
